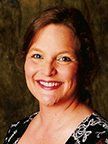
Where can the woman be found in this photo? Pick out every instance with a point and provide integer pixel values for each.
(60, 63)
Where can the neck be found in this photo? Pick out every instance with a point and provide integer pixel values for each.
(52, 114)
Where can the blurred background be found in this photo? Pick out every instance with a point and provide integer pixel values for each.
(16, 101)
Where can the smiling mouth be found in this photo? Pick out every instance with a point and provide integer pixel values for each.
(49, 85)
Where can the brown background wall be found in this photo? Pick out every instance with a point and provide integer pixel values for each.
(15, 15)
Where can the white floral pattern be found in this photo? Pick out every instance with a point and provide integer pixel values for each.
(90, 131)
(91, 122)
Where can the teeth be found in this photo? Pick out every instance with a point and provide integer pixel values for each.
(49, 84)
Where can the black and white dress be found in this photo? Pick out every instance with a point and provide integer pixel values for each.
(93, 130)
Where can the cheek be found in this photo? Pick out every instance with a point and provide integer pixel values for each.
(70, 80)
(30, 68)
(70, 73)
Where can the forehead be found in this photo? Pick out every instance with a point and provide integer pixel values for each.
(55, 35)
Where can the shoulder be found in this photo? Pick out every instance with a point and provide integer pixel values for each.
(17, 129)
(92, 129)
(97, 124)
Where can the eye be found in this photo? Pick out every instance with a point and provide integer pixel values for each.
(64, 59)
(37, 56)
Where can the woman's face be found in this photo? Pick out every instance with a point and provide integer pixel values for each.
(51, 65)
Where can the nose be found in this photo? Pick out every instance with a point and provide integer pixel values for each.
(49, 69)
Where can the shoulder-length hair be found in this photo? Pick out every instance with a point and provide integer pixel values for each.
(72, 18)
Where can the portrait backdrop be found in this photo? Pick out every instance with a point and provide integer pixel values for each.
(16, 101)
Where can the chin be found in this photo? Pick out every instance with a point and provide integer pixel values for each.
(49, 101)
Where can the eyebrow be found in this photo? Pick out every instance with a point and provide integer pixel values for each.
(68, 52)
(35, 49)
(64, 52)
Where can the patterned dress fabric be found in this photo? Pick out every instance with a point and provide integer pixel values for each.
(93, 130)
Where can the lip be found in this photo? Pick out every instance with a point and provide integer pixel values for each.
(49, 85)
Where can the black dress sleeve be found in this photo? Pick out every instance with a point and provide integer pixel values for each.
(11, 136)
(102, 141)
(16, 130)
